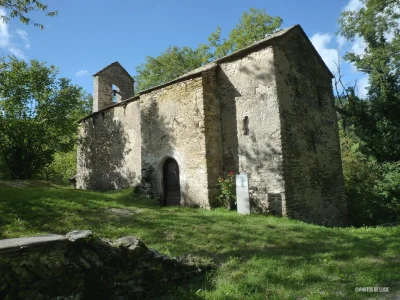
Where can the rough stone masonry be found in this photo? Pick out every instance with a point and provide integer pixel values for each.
(81, 266)
(266, 110)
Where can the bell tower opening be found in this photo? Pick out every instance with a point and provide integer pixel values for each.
(112, 85)
(116, 94)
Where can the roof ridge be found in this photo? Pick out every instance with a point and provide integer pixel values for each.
(196, 72)
(115, 63)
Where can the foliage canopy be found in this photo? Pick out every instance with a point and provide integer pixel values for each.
(176, 61)
(21, 8)
(171, 64)
(38, 114)
(252, 27)
(371, 140)
(376, 119)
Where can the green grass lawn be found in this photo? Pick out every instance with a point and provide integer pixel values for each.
(256, 257)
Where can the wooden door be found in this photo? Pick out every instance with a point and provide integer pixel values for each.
(172, 191)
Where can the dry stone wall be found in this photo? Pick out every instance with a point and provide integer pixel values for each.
(311, 151)
(79, 266)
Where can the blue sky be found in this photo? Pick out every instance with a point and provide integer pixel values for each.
(87, 35)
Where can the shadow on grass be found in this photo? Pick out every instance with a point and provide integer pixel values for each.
(291, 255)
(52, 209)
(248, 250)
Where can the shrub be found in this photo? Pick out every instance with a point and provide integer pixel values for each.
(61, 169)
(4, 174)
(227, 194)
(372, 189)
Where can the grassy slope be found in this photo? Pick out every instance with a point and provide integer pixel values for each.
(258, 257)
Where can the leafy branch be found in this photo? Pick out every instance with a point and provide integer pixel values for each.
(21, 8)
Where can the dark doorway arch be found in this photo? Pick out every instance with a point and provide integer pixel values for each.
(172, 189)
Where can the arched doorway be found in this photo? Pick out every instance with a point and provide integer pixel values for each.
(172, 190)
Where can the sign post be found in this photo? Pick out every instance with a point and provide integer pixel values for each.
(242, 194)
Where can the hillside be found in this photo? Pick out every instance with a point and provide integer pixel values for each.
(256, 257)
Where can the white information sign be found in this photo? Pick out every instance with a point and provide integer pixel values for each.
(242, 194)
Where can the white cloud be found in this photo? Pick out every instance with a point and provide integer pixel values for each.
(358, 46)
(356, 5)
(362, 85)
(4, 35)
(24, 35)
(329, 55)
(16, 52)
(328, 48)
(82, 73)
(390, 35)
(353, 5)
(5, 39)
(341, 41)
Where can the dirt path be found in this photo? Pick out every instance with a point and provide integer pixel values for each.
(14, 183)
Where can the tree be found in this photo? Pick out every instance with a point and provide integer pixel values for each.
(175, 61)
(21, 8)
(372, 188)
(376, 119)
(371, 142)
(38, 114)
(172, 63)
(252, 27)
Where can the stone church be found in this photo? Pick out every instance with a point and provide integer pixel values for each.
(266, 110)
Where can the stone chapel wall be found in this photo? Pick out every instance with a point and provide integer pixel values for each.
(252, 145)
(212, 131)
(109, 154)
(267, 111)
(311, 151)
(172, 120)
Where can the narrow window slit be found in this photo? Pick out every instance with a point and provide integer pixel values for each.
(246, 125)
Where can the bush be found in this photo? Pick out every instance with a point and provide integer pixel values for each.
(372, 189)
(61, 169)
(227, 195)
(4, 174)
